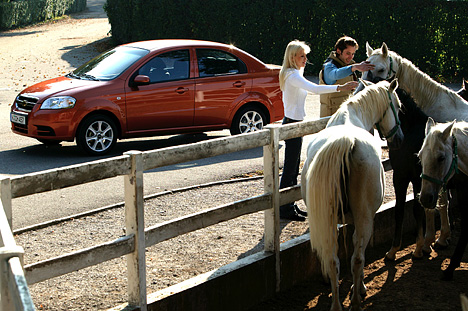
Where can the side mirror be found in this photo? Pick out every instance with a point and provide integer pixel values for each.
(141, 80)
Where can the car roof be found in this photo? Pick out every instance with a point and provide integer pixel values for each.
(170, 43)
(162, 44)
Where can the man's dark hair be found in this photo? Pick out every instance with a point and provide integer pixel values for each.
(344, 42)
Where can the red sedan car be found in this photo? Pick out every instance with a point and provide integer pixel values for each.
(151, 88)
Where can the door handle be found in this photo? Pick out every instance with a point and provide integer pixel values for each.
(238, 84)
(181, 90)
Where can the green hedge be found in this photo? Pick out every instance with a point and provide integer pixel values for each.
(26, 12)
(430, 33)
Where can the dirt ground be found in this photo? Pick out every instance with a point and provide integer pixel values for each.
(402, 285)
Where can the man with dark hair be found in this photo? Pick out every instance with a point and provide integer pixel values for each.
(339, 68)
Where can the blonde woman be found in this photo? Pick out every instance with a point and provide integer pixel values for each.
(295, 87)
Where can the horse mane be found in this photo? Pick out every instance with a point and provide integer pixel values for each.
(423, 86)
(371, 101)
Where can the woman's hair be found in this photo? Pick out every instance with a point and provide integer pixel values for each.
(289, 58)
(345, 41)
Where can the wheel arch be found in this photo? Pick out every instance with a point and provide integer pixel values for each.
(106, 113)
(256, 104)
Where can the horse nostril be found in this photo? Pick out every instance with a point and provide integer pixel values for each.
(427, 200)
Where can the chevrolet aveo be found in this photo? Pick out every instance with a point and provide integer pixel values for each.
(151, 88)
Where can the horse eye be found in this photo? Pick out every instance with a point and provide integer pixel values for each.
(381, 70)
(441, 158)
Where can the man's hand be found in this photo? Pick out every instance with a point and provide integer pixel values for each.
(348, 86)
(363, 66)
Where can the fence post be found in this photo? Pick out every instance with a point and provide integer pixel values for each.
(271, 185)
(5, 196)
(135, 224)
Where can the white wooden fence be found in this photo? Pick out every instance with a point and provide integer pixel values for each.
(131, 165)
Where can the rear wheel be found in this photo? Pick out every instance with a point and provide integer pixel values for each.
(248, 119)
(97, 135)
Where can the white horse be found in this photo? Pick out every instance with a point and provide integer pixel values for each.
(444, 160)
(435, 100)
(343, 175)
(464, 302)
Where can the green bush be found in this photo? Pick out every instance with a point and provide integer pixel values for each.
(430, 33)
(26, 12)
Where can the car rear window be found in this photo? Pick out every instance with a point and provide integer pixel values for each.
(216, 62)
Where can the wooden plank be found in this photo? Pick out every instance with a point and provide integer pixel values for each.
(135, 224)
(53, 267)
(182, 225)
(18, 287)
(298, 129)
(5, 199)
(69, 176)
(205, 149)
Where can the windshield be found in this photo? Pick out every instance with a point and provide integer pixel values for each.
(110, 64)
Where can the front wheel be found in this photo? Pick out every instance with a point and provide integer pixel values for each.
(97, 135)
(248, 119)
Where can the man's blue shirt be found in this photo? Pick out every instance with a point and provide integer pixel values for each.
(331, 73)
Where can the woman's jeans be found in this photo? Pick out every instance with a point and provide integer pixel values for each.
(292, 159)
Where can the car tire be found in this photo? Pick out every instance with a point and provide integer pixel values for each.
(248, 119)
(97, 135)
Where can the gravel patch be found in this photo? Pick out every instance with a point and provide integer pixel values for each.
(168, 263)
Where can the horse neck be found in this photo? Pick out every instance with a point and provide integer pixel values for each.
(434, 99)
(410, 115)
(462, 142)
(351, 115)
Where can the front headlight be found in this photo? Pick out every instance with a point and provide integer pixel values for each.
(61, 102)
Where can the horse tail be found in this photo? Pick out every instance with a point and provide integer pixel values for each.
(325, 191)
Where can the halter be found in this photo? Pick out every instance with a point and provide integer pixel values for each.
(391, 72)
(394, 130)
(453, 167)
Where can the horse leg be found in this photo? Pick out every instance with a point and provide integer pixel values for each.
(334, 281)
(418, 212)
(361, 238)
(460, 248)
(430, 230)
(443, 241)
(400, 194)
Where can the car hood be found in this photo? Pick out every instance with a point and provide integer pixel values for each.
(59, 86)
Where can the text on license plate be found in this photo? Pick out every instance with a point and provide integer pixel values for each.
(17, 118)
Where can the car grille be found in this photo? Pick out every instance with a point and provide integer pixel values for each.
(20, 128)
(25, 103)
(45, 131)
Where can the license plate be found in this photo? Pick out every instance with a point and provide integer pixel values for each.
(18, 118)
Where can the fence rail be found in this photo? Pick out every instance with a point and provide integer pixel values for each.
(132, 165)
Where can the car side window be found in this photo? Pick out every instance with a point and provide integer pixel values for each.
(215, 62)
(170, 66)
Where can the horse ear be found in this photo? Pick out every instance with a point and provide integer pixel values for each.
(369, 50)
(393, 85)
(365, 83)
(464, 84)
(384, 50)
(430, 123)
(448, 131)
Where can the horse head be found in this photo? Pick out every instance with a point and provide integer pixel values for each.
(386, 66)
(390, 121)
(438, 156)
